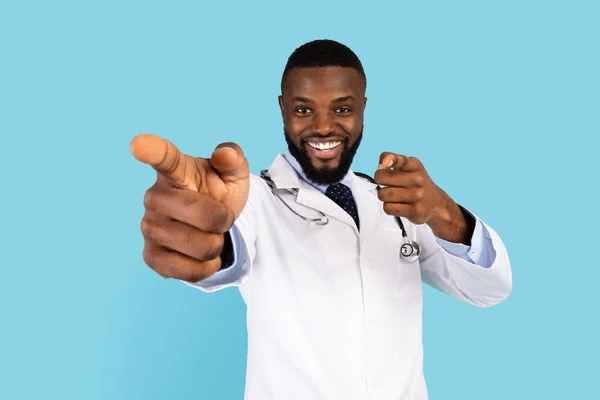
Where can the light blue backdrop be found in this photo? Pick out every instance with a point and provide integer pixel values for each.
(500, 100)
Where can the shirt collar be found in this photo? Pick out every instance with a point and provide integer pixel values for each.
(346, 180)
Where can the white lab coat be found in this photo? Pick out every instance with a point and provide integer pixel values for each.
(334, 313)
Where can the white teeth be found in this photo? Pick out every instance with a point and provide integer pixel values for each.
(324, 145)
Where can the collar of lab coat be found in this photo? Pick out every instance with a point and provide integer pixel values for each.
(285, 177)
(346, 180)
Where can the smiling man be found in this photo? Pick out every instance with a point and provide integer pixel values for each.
(329, 263)
(324, 146)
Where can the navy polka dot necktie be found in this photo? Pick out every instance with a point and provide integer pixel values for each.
(342, 196)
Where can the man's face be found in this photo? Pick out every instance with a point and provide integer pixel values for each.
(322, 111)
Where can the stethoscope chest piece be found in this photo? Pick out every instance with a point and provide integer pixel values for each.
(410, 251)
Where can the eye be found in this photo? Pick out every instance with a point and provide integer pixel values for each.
(303, 110)
(342, 110)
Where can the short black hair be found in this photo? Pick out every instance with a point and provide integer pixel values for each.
(323, 53)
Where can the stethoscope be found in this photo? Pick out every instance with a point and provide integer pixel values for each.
(409, 251)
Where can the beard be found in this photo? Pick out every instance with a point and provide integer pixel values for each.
(324, 176)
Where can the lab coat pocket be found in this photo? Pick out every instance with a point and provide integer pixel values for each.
(405, 277)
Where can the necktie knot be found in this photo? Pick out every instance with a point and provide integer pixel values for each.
(342, 196)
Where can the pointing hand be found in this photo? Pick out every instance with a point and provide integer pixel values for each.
(411, 193)
(192, 204)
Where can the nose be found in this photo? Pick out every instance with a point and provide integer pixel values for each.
(323, 123)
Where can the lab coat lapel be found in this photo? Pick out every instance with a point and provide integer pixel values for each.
(311, 197)
(285, 177)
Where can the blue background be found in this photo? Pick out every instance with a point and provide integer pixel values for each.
(500, 100)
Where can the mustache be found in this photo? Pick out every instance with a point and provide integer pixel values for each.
(344, 135)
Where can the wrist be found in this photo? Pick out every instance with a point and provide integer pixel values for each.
(449, 222)
(444, 212)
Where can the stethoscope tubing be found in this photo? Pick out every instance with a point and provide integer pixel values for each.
(410, 250)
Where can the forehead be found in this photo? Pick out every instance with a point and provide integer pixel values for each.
(312, 82)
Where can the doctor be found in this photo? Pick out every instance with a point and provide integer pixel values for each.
(333, 308)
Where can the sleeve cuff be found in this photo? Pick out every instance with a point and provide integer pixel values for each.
(478, 251)
(230, 272)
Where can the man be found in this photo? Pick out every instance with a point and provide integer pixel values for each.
(334, 309)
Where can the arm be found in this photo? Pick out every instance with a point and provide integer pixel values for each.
(484, 281)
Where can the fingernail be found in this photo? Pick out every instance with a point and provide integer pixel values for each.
(227, 148)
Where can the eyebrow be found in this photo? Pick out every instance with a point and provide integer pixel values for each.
(343, 99)
(302, 99)
(307, 100)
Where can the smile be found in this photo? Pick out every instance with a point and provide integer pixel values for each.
(324, 146)
(324, 151)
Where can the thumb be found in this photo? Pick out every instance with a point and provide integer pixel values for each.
(229, 161)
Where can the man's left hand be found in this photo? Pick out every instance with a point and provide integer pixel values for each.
(409, 192)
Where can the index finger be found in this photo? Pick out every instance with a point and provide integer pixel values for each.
(399, 162)
(161, 155)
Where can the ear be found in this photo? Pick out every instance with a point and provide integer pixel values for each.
(280, 99)
(365, 104)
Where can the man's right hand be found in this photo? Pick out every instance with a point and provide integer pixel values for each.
(192, 204)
